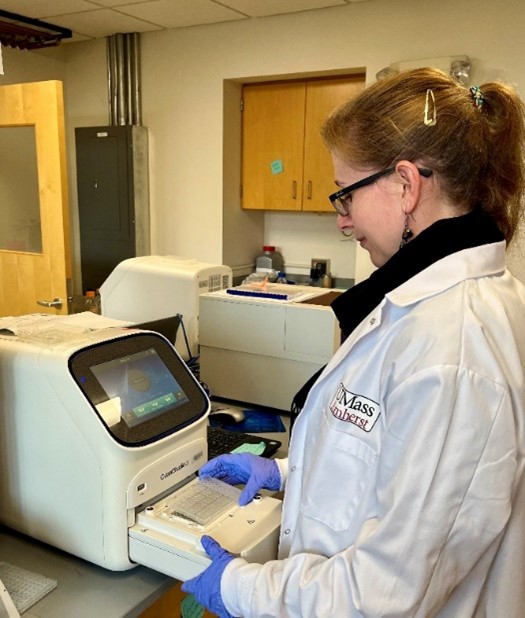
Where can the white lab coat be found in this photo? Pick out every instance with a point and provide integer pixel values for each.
(405, 479)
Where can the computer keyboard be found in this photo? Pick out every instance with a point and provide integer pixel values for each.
(221, 441)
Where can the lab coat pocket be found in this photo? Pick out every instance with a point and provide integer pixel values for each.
(339, 477)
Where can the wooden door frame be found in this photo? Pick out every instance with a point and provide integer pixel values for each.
(40, 104)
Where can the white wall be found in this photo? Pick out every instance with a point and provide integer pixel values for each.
(191, 79)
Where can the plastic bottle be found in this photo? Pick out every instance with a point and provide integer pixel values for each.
(90, 303)
(269, 261)
(326, 281)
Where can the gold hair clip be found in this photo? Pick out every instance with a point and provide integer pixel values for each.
(430, 121)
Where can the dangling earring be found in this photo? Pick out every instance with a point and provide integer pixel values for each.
(407, 233)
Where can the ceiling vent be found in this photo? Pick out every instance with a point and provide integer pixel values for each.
(23, 32)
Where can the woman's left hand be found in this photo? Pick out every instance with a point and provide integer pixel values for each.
(206, 587)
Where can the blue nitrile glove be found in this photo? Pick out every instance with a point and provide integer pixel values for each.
(257, 472)
(206, 587)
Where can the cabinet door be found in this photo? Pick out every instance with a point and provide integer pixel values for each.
(322, 96)
(113, 200)
(272, 146)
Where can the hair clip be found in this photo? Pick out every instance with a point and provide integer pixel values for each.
(430, 121)
(477, 96)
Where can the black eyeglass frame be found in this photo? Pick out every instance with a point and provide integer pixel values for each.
(344, 209)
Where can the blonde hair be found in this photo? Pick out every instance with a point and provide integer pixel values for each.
(476, 150)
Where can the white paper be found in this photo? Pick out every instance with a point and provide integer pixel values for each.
(37, 323)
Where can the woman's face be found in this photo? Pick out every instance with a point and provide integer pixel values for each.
(375, 216)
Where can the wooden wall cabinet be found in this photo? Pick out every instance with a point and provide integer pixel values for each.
(285, 165)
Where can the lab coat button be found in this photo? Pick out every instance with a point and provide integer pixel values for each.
(287, 531)
(372, 321)
(293, 468)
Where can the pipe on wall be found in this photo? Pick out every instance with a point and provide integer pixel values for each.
(124, 79)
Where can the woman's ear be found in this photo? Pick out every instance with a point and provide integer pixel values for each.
(411, 180)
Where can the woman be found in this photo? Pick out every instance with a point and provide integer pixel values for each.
(405, 487)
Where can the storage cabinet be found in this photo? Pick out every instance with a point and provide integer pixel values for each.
(285, 165)
(113, 198)
(261, 352)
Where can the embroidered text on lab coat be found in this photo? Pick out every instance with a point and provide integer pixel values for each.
(352, 408)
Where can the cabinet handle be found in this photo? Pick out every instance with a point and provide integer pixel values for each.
(294, 189)
(309, 190)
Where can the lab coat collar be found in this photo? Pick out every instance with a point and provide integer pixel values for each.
(483, 261)
(476, 262)
(437, 242)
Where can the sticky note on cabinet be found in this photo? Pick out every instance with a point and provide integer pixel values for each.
(277, 166)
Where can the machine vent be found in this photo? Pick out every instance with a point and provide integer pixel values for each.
(214, 283)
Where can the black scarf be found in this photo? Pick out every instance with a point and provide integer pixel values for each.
(442, 238)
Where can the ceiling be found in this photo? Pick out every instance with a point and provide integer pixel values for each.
(93, 19)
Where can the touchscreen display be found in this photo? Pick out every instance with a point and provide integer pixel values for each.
(138, 387)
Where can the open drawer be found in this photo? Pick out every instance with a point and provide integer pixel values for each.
(168, 540)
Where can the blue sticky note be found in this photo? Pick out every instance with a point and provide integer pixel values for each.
(277, 166)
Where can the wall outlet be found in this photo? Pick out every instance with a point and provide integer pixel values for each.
(320, 266)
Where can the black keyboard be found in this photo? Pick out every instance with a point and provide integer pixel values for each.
(222, 441)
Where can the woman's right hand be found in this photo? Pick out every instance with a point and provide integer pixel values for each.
(254, 471)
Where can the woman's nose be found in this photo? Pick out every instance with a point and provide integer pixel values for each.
(344, 222)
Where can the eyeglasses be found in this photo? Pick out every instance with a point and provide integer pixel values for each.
(341, 200)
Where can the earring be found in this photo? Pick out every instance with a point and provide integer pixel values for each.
(407, 233)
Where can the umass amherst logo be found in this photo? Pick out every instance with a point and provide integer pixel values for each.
(355, 409)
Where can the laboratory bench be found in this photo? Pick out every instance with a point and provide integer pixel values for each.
(84, 590)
